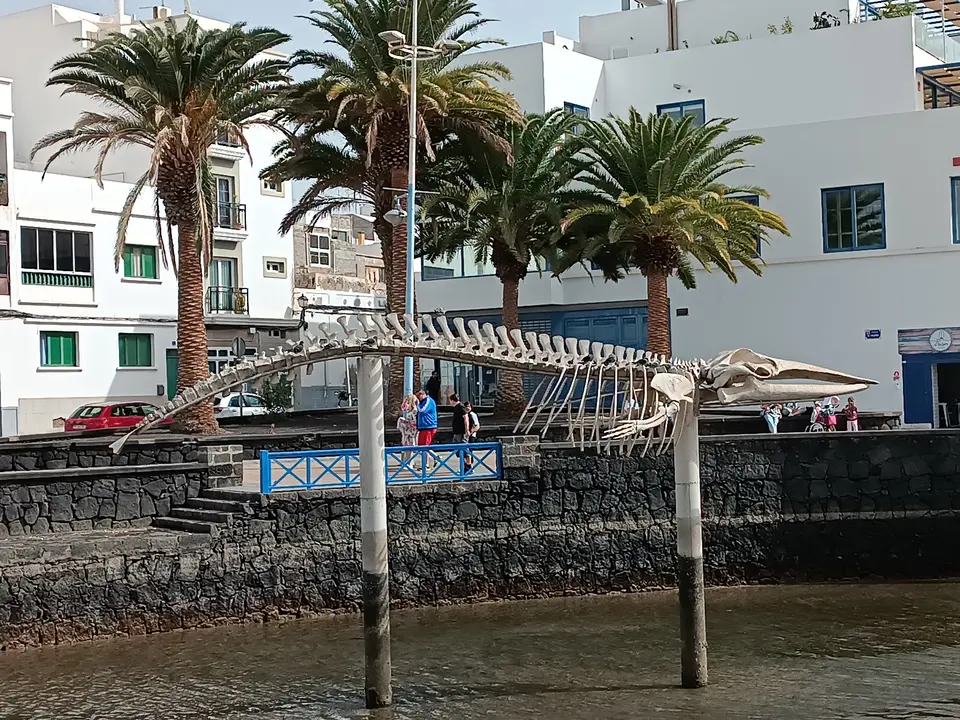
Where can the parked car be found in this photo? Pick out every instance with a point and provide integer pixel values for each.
(104, 416)
(237, 404)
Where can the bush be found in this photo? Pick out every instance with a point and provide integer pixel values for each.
(277, 394)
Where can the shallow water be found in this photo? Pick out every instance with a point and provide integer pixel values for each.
(851, 652)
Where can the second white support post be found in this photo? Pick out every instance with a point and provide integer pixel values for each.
(693, 626)
(373, 535)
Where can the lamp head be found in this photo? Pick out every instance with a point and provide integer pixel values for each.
(395, 217)
(449, 46)
(303, 301)
(393, 37)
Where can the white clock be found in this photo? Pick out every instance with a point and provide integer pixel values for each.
(941, 340)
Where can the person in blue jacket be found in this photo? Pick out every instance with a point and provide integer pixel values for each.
(426, 418)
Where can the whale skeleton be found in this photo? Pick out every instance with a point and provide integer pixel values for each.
(609, 396)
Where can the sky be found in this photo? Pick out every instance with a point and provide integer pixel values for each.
(521, 21)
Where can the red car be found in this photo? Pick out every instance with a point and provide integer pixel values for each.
(105, 417)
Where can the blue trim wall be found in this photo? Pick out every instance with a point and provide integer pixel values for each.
(918, 384)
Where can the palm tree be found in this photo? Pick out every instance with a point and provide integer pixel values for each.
(507, 208)
(173, 91)
(659, 200)
(363, 93)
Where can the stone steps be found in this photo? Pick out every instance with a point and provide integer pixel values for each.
(227, 506)
(237, 496)
(183, 525)
(215, 508)
(202, 515)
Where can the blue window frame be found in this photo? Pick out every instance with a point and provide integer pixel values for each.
(755, 201)
(955, 205)
(577, 110)
(679, 110)
(853, 218)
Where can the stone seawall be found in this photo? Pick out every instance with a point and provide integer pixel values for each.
(810, 508)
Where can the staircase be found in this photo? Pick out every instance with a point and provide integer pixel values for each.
(207, 514)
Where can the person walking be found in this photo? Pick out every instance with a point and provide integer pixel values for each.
(853, 415)
(461, 427)
(426, 423)
(433, 387)
(407, 424)
(474, 423)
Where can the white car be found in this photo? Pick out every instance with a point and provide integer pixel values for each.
(237, 404)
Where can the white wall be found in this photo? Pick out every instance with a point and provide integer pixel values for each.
(808, 305)
(643, 31)
(269, 296)
(799, 78)
(571, 77)
(526, 65)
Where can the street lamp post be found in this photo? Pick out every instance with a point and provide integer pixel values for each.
(412, 52)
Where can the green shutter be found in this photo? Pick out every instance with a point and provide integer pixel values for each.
(69, 349)
(58, 349)
(148, 262)
(136, 349)
(128, 262)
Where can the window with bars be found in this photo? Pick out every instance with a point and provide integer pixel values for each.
(319, 250)
(140, 262)
(136, 350)
(58, 349)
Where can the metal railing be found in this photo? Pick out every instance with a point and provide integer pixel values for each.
(338, 469)
(56, 279)
(228, 300)
(231, 216)
(228, 140)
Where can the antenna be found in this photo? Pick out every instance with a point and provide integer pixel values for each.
(186, 7)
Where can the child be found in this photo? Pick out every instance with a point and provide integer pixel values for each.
(853, 416)
(831, 415)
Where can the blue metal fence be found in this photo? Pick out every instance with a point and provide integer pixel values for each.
(337, 469)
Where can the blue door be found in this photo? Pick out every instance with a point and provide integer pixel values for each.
(918, 387)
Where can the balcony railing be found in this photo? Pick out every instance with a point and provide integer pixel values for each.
(228, 140)
(56, 279)
(231, 216)
(230, 300)
(4, 190)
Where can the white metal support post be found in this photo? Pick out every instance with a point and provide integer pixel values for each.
(693, 626)
(411, 190)
(373, 535)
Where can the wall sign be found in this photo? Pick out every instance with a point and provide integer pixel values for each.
(871, 334)
(941, 340)
(920, 341)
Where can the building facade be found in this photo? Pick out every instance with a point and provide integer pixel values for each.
(83, 330)
(338, 270)
(863, 166)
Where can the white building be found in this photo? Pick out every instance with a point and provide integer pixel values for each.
(76, 329)
(850, 132)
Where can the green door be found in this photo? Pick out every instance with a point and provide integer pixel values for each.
(173, 369)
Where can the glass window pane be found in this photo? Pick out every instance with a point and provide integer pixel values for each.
(81, 252)
(28, 248)
(128, 262)
(831, 201)
(869, 203)
(697, 112)
(64, 250)
(4, 259)
(45, 250)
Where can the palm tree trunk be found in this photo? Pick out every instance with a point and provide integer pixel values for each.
(396, 279)
(191, 334)
(510, 397)
(658, 314)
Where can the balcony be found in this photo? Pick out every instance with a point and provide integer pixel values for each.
(50, 278)
(230, 222)
(227, 148)
(227, 301)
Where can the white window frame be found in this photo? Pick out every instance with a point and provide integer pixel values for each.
(273, 189)
(317, 252)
